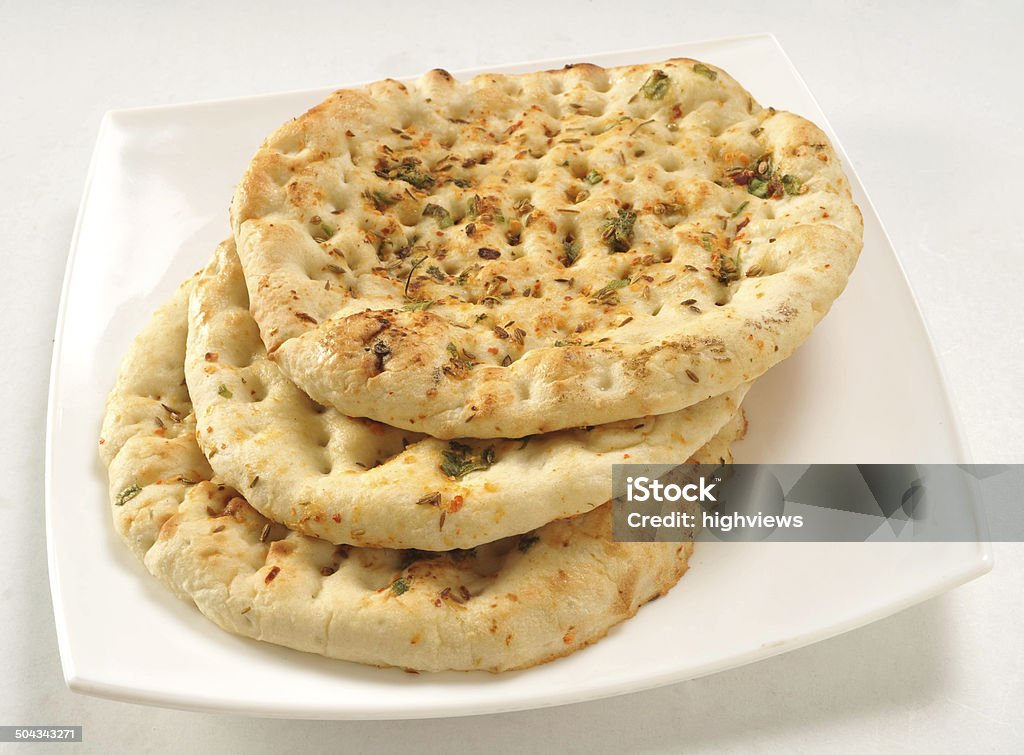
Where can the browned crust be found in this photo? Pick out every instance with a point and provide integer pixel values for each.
(802, 258)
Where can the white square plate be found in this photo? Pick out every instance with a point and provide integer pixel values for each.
(865, 388)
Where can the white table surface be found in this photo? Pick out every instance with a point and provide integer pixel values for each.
(929, 110)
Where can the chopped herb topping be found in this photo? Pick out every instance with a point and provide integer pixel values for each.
(655, 86)
(400, 586)
(327, 230)
(758, 187)
(127, 494)
(223, 391)
(418, 305)
(607, 292)
(437, 273)
(741, 208)
(408, 170)
(459, 362)
(415, 265)
(593, 178)
(703, 70)
(572, 249)
(727, 269)
(762, 181)
(618, 231)
(380, 200)
(793, 185)
(460, 460)
(444, 219)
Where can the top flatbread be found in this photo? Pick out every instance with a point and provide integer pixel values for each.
(519, 254)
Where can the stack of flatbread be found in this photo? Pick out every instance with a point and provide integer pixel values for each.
(380, 424)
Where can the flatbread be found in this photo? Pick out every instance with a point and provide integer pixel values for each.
(511, 604)
(149, 412)
(515, 255)
(358, 482)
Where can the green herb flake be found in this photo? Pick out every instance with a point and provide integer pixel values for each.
(444, 219)
(656, 85)
(400, 586)
(380, 200)
(418, 305)
(792, 185)
(603, 293)
(127, 494)
(437, 273)
(223, 391)
(618, 230)
(408, 171)
(741, 208)
(758, 187)
(327, 230)
(572, 249)
(593, 178)
(459, 362)
(703, 70)
(606, 295)
(460, 460)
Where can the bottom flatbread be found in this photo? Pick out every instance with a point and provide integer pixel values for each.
(505, 605)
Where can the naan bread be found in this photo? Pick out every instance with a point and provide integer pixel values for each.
(358, 482)
(510, 604)
(521, 254)
(148, 439)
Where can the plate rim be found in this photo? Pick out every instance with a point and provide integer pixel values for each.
(196, 702)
